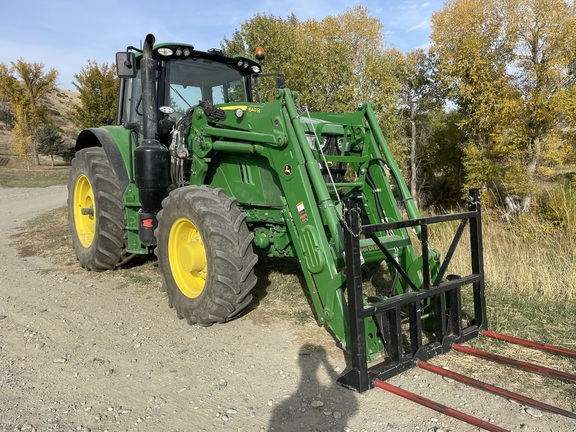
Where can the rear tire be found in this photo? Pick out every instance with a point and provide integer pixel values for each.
(205, 255)
(95, 211)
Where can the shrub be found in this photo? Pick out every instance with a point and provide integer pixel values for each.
(559, 206)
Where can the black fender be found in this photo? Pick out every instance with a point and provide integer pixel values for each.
(99, 137)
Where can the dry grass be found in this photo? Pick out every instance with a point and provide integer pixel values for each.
(530, 273)
(528, 258)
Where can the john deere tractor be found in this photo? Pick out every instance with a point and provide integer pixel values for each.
(197, 172)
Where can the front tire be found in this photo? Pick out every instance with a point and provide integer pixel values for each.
(205, 255)
(95, 211)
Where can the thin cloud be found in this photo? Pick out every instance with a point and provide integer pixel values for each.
(422, 25)
(35, 31)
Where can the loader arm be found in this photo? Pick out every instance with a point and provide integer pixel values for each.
(280, 176)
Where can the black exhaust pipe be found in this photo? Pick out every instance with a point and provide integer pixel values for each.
(152, 159)
(149, 101)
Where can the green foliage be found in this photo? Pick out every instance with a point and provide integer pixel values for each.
(51, 143)
(6, 115)
(441, 157)
(98, 88)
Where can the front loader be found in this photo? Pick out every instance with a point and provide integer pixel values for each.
(197, 172)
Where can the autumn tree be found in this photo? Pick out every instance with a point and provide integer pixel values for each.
(333, 64)
(24, 85)
(510, 66)
(98, 88)
(275, 35)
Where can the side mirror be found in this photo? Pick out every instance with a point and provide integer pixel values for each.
(126, 64)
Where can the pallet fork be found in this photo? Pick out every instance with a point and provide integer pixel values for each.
(445, 295)
(400, 319)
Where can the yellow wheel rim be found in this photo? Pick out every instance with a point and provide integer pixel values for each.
(84, 211)
(187, 257)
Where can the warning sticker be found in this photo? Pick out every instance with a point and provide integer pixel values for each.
(302, 212)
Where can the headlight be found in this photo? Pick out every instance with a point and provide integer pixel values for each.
(312, 142)
(340, 143)
(165, 51)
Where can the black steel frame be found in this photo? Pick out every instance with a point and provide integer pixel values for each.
(389, 313)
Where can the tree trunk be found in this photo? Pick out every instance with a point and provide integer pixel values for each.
(530, 171)
(413, 164)
(35, 152)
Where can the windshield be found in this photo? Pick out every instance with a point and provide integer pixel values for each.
(190, 81)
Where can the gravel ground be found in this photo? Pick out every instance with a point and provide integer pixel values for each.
(81, 354)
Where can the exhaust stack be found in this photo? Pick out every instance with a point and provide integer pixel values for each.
(152, 159)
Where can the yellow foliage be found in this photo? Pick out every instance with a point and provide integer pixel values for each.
(333, 64)
(24, 85)
(509, 64)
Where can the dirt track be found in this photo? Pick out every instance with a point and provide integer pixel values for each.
(77, 353)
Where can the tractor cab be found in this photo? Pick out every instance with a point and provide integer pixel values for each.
(184, 78)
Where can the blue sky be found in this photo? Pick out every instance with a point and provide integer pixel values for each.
(65, 34)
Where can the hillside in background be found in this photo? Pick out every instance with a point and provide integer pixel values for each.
(58, 104)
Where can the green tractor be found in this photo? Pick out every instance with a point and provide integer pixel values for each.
(197, 172)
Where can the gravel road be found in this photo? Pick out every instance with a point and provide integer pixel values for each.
(80, 354)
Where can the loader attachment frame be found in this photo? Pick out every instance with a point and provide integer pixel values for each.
(408, 335)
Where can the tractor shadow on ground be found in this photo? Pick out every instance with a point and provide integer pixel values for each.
(318, 403)
(280, 280)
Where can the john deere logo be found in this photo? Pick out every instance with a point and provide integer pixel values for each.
(287, 169)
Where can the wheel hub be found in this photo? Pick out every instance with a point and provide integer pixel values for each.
(192, 256)
(84, 211)
(187, 257)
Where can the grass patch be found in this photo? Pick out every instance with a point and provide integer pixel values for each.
(530, 273)
(528, 259)
(281, 293)
(15, 174)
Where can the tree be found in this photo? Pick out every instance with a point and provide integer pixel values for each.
(98, 88)
(51, 143)
(24, 85)
(510, 66)
(333, 64)
(419, 96)
(6, 115)
(275, 35)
